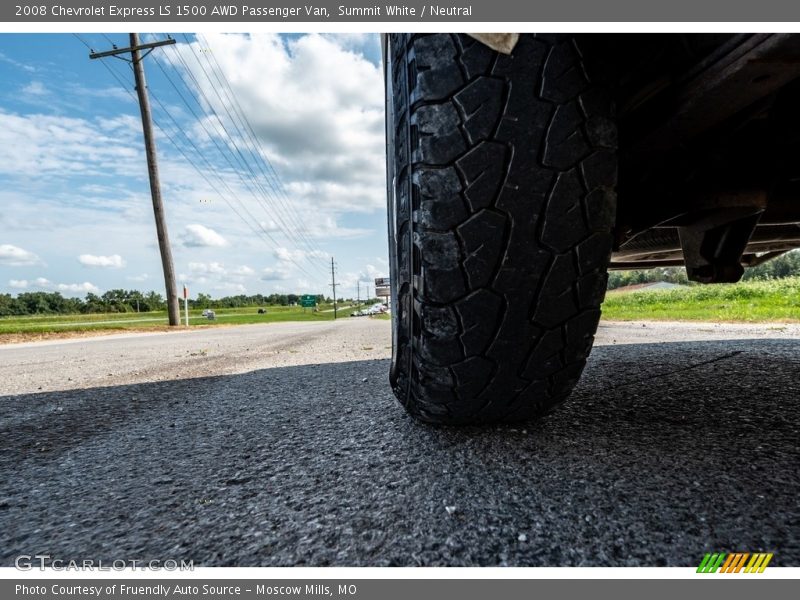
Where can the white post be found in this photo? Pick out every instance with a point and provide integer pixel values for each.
(186, 303)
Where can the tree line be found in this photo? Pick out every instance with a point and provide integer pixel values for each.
(122, 301)
(787, 265)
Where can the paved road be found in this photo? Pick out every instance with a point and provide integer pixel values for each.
(667, 449)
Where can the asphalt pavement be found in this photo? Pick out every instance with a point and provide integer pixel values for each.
(667, 450)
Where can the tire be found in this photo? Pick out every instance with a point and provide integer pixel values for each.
(501, 180)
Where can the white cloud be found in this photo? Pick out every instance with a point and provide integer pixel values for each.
(270, 226)
(212, 268)
(116, 93)
(16, 63)
(316, 105)
(351, 41)
(199, 236)
(19, 284)
(35, 88)
(14, 256)
(273, 274)
(296, 255)
(194, 279)
(371, 272)
(114, 261)
(73, 289)
(224, 278)
(43, 146)
(366, 278)
(243, 271)
(231, 288)
(138, 278)
(77, 288)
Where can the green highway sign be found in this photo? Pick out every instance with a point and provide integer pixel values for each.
(308, 301)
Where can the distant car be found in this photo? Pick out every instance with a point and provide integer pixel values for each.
(262, 311)
(209, 314)
(205, 312)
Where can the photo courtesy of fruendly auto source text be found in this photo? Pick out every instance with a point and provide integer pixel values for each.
(363, 301)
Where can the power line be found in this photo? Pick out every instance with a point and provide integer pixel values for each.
(224, 155)
(199, 153)
(258, 229)
(275, 189)
(211, 136)
(241, 158)
(257, 148)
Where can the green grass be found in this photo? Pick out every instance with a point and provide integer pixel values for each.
(46, 324)
(749, 301)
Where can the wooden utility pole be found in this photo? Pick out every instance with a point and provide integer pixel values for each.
(136, 59)
(333, 285)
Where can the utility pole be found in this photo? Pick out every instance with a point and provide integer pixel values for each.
(136, 59)
(358, 293)
(333, 285)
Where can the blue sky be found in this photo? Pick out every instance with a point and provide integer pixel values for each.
(76, 211)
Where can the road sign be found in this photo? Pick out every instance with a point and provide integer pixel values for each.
(383, 292)
(308, 301)
(381, 282)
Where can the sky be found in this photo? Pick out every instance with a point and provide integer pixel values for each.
(271, 158)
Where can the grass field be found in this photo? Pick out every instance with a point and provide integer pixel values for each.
(749, 301)
(53, 324)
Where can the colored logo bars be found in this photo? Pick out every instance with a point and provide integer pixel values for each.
(735, 562)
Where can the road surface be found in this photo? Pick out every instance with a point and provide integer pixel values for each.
(281, 444)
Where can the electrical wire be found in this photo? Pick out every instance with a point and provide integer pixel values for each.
(288, 230)
(188, 158)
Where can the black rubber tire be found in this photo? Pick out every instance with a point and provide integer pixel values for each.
(502, 178)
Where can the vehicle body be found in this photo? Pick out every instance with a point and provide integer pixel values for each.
(518, 177)
(375, 309)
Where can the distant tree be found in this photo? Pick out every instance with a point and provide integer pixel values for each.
(116, 301)
(92, 304)
(786, 265)
(34, 303)
(155, 301)
(6, 305)
(617, 279)
(203, 301)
